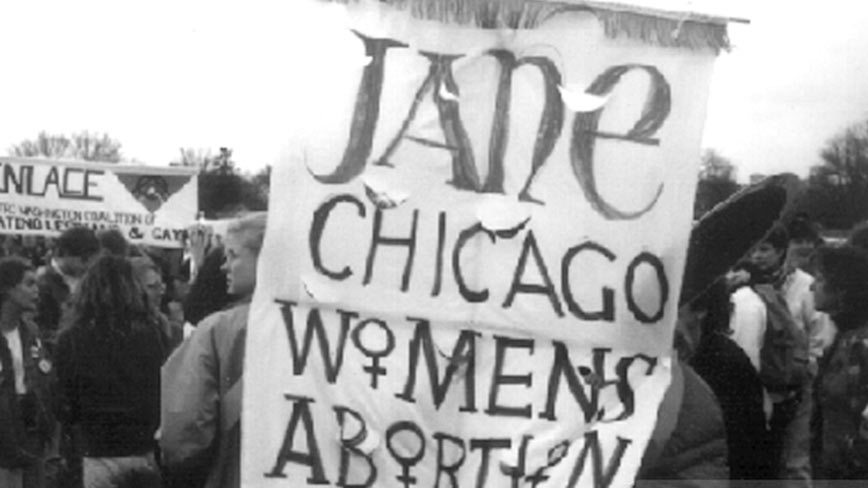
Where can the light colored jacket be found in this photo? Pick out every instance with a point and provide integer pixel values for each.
(817, 325)
(201, 400)
(748, 323)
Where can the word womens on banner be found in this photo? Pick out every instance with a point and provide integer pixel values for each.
(149, 205)
(471, 269)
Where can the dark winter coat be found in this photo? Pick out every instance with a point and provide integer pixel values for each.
(844, 397)
(110, 386)
(727, 370)
(26, 423)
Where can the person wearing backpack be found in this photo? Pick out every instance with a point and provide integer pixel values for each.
(688, 447)
(787, 364)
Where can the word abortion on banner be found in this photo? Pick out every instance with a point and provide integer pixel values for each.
(475, 279)
(149, 205)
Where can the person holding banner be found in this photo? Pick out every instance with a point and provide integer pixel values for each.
(207, 292)
(26, 376)
(200, 431)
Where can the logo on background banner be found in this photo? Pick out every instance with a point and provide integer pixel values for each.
(152, 191)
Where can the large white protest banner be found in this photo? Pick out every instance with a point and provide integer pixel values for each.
(471, 267)
(148, 204)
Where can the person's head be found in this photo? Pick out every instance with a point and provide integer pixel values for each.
(110, 295)
(112, 241)
(151, 280)
(18, 285)
(841, 284)
(75, 249)
(769, 254)
(12, 245)
(859, 236)
(242, 243)
(802, 231)
(804, 239)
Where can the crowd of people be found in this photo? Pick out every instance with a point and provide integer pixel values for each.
(115, 374)
(87, 328)
(781, 341)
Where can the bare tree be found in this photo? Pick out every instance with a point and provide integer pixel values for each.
(716, 182)
(83, 146)
(715, 166)
(192, 158)
(223, 189)
(837, 193)
(205, 161)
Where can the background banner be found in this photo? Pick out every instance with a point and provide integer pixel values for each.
(471, 269)
(149, 205)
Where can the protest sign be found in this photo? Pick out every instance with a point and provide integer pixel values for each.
(149, 205)
(471, 269)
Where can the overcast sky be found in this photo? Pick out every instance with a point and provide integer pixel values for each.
(164, 75)
(796, 76)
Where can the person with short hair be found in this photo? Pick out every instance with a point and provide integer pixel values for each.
(792, 416)
(26, 375)
(200, 433)
(74, 250)
(804, 238)
(841, 290)
(108, 364)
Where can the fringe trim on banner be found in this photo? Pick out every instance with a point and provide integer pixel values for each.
(662, 28)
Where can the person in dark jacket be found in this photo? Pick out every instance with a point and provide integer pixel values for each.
(75, 249)
(26, 376)
(841, 289)
(727, 370)
(108, 364)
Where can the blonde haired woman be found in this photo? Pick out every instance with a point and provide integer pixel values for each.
(201, 390)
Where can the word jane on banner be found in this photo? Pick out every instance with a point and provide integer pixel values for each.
(465, 176)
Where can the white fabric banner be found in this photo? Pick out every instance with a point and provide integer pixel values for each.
(470, 274)
(150, 205)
